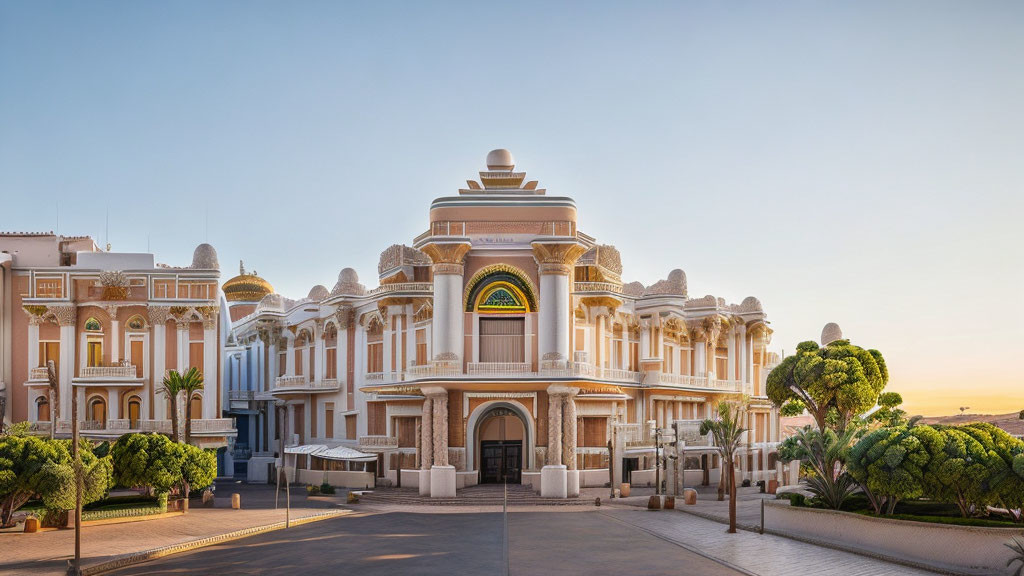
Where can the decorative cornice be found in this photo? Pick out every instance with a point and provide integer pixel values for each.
(557, 257)
(64, 315)
(447, 253)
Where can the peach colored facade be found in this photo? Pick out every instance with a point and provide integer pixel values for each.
(503, 344)
(113, 324)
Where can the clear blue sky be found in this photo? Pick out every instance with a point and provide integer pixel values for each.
(855, 162)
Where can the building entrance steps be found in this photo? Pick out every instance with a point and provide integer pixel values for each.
(479, 495)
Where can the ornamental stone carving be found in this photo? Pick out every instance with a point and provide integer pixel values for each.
(343, 317)
(556, 257)
(401, 255)
(158, 315)
(674, 285)
(751, 304)
(115, 285)
(348, 284)
(318, 293)
(634, 289)
(205, 258)
(830, 333)
(64, 315)
(447, 256)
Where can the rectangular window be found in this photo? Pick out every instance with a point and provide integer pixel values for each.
(421, 347)
(593, 432)
(49, 351)
(350, 426)
(669, 359)
(406, 432)
(298, 361)
(329, 419)
(331, 370)
(195, 355)
(376, 423)
(136, 356)
(94, 353)
(49, 288)
(502, 339)
(634, 356)
(282, 363)
(580, 340)
(375, 357)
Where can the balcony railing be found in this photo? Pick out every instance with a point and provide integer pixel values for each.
(597, 287)
(107, 372)
(38, 373)
(689, 432)
(378, 442)
(301, 383)
(124, 426)
(635, 434)
(290, 382)
(687, 381)
(499, 368)
(425, 287)
(241, 394)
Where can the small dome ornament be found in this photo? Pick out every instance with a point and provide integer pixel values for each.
(500, 159)
(830, 333)
(246, 287)
(205, 258)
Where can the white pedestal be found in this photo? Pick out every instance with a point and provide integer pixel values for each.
(424, 483)
(572, 483)
(553, 481)
(442, 482)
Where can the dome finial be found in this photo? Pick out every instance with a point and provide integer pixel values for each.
(500, 159)
(241, 268)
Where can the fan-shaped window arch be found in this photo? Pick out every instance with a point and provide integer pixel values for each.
(500, 288)
(136, 322)
(93, 325)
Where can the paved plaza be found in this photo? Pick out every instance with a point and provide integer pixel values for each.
(610, 540)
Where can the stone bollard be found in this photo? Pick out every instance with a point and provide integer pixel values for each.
(236, 501)
(689, 496)
(654, 502)
(624, 490)
(208, 499)
(670, 502)
(31, 525)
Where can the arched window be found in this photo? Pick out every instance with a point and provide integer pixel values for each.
(330, 352)
(197, 406)
(374, 346)
(43, 409)
(136, 323)
(502, 297)
(134, 411)
(98, 410)
(93, 325)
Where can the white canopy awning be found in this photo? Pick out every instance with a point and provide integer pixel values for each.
(304, 449)
(346, 453)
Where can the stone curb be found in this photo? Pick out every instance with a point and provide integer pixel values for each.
(154, 553)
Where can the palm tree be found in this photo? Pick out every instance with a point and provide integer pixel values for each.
(191, 382)
(727, 432)
(171, 389)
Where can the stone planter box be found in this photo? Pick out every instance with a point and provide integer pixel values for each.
(957, 549)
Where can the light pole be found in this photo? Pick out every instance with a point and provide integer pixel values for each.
(75, 569)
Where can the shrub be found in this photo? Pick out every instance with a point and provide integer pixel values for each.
(326, 488)
(889, 465)
(312, 490)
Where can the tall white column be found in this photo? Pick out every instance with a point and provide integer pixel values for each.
(159, 368)
(115, 338)
(645, 339)
(410, 338)
(66, 317)
(211, 380)
(743, 353)
(320, 350)
(731, 369)
(33, 342)
(555, 261)
(700, 359)
(289, 357)
(388, 352)
(113, 403)
(447, 324)
(182, 346)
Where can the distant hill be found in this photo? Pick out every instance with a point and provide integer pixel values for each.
(1009, 422)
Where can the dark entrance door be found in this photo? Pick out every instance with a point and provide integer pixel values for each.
(501, 461)
(628, 465)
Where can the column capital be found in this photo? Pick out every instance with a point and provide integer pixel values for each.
(557, 257)
(447, 256)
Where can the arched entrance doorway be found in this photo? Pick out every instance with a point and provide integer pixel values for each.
(502, 441)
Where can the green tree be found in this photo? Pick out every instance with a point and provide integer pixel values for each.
(824, 452)
(59, 485)
(839, 379)
(959, 470)
(150, 460)
(727, 432)
(191, 382)
(23, 470)
(198, 469)
(889, 465)
(171, 388)
(1005, 482)
(889, 412)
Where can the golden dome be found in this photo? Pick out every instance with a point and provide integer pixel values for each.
(246, 287)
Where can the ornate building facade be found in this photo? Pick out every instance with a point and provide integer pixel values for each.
(503, 344)
(113, 324)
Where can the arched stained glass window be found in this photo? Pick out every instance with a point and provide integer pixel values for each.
(501, 297)
(93, 325)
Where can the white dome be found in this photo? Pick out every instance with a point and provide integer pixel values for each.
(830, 333)
(205, 258)
(500, 159)
(318, 293)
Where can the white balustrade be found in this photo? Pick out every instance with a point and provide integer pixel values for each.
(107, 372)
(426, 287)
(499, 368)
(378, 442)
(597, 287)
(38, 374)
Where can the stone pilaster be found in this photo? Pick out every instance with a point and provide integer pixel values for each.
(554, 428)
(427, 434)
(569, 429)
